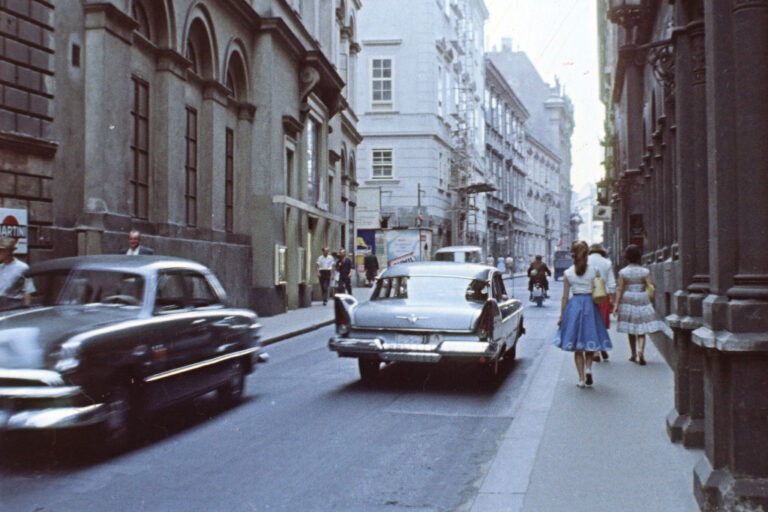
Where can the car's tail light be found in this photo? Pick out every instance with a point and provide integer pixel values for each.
(485, 322)
(342, 317)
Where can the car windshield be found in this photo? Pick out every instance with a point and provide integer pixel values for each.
(103, 287)
(47, 286)
(431, 289)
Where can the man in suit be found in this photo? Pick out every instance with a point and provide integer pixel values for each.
(134, 245)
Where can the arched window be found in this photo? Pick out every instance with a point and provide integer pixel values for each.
(140, 15)
(199, 49)
(236, 77)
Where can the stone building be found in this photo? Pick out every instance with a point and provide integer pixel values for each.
(419, 96)
(686, 178)
(542, 222)
(505, 117)
(220, 130)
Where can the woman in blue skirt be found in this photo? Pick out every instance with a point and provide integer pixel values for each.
(581, 329)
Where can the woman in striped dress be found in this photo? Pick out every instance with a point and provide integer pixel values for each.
(636, 314)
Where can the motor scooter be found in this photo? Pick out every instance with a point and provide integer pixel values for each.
(537, 294)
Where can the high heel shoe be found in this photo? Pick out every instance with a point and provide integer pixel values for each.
(641, 360)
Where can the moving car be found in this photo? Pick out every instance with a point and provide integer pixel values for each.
(460, 254)
(124, 336)
(430, 312)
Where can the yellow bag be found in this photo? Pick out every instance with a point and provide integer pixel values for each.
(599, 295)
(650, 289)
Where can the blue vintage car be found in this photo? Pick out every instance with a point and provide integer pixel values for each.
(430, 313)
(114, 337)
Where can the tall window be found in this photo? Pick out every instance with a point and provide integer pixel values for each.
(381, 85)
(382, 163)
(229, 183)
(140, 148)
(191, 167)
(440, 91)
(313, 164)
(289, 185)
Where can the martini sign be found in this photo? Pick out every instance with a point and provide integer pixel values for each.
(13, 224)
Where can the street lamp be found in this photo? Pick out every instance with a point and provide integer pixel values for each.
(626, 13)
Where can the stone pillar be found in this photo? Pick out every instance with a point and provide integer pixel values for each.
(685, 423)
(734, 334)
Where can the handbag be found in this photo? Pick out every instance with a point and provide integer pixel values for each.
(650, 289)
(599, 295)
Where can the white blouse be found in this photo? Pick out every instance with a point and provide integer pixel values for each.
(582, 283)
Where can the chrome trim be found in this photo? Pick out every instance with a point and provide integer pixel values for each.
(45, 377)
(406, 330)
(201, 364)
(410, 357)
(420, 352)
(55, 417)
(39, 392)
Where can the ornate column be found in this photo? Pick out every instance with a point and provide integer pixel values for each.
(685, 422)
(734, 334)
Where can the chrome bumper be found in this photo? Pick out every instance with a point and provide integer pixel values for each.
(417, 353)
(44, 402)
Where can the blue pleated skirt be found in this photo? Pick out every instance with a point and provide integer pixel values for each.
(582, 327)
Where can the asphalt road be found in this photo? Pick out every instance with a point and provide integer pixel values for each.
(308, 437)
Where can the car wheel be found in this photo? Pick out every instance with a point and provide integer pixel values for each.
(231, 393)
(490, 372)
(511, 353)
(369, 369)
(119, 425)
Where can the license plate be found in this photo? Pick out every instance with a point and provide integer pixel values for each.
(411, 339)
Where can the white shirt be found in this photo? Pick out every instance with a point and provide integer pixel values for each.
(582, 283)
(325, 262)
(605, 267)
(132, 252)
(13, 285)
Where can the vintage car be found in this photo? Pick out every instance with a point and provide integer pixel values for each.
(125, 335)
(460, 254)
(430, 313)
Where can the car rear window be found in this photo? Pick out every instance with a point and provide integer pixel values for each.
(431, 289)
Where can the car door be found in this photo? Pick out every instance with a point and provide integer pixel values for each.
(506, 305)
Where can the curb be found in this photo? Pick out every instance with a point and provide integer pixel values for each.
(297, 332)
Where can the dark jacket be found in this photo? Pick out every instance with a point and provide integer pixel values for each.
(142, 250)
(542, 271)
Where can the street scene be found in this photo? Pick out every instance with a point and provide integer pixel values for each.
(383, 255)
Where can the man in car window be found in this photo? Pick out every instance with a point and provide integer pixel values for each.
(15, 290)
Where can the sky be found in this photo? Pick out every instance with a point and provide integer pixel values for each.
(560, 38)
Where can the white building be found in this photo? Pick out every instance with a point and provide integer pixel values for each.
(419, 99)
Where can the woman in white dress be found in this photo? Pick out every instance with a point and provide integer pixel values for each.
(636, 314)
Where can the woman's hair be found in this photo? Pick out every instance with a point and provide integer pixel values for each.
(579, 253)
(633, 254)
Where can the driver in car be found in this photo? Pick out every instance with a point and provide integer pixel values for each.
(537, 273)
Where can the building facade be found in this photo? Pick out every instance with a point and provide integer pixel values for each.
(686, 179)
(220, 130)
(542, 220)
(505, 117)
(419, 92)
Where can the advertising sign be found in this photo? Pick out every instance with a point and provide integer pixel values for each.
(403, 246)
(601, 213)
(368, 210)
(13, 224)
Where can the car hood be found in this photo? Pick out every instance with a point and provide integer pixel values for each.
(400, 314)
(27, 337)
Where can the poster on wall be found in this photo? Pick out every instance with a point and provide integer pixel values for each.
(403, 246)
(13, 224)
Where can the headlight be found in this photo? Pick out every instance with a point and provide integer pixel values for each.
(68, 357)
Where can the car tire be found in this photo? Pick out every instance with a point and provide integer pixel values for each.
(369, 369)
(120, 424)
(511, 353)
(490, 372)
(232, 391)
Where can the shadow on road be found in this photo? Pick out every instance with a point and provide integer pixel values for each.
(50, 451)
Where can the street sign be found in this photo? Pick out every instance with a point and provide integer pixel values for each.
(13, 224)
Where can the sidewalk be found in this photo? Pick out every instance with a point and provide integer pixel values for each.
(603, 449)
(299, 321)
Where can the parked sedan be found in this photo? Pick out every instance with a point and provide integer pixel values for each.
(430, 313)
(124, 336)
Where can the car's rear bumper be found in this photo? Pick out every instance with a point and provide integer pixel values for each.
(40, 400)
(376, 348)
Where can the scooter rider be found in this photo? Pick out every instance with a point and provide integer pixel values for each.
(537, 273)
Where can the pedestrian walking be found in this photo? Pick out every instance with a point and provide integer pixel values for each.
(325, 264)
(15, 289)
(344, 266)
(633, 306)
(371, 264)
(134, 245)
(598, 259)
(580, 328)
